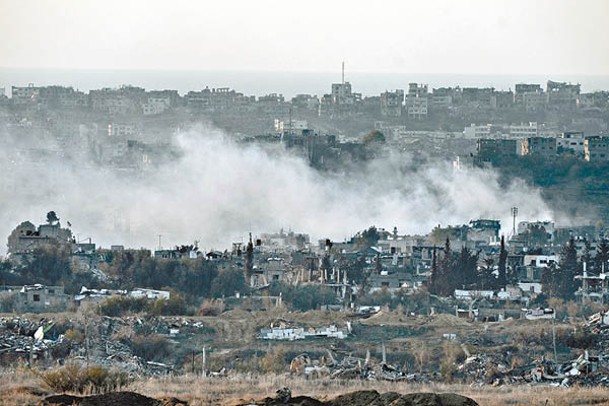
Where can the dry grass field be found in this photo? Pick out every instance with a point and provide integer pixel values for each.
(24, 387)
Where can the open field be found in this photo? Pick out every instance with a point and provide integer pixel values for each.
(22, 387)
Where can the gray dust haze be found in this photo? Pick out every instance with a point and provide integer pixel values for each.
(217, 191)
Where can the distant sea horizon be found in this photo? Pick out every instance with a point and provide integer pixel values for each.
(289, 84)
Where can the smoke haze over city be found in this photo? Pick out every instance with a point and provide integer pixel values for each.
(216, 191)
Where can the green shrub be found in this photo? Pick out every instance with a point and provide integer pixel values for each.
(173, 306)
(120, 305)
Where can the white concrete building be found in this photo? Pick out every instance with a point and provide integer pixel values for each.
(156, 105)
(416, 101)
(523, 130)
(477, 131)
(122, 130)
(540, 261)
(291, 125)
(149, 293)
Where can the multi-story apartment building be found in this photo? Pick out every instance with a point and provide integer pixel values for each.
(444, 98)
(477, 131)
(523, 130)
(520, 89)
(416, 101)
(61, 96)
(217, 99)
(502, 100)
(305, 101)
(392, 103)
(539, 146)
(475, 97)
(562, 95)
(489, 150)
(25, 94)
(596, 149)
(529, 96)
(571, 141)
(342, 94)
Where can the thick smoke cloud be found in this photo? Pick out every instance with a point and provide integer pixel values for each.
(217, 191)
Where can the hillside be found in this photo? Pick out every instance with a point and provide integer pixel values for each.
(575, 189)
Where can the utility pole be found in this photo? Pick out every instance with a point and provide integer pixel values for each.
(204, 363)
(249, 262)
(554, 339)
(585, 287)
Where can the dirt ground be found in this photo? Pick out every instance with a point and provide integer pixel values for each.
(22, 389)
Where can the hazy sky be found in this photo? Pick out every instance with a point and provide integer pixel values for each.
(431, 36)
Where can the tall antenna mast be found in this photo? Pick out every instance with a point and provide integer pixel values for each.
(343, 76)
(514, 211)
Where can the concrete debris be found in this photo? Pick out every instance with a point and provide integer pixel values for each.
(507, 367)
(301, 333)
(23, 340)
(107, 342)
(590, 368)
(348, 368)
(110, 342)
(539, 314)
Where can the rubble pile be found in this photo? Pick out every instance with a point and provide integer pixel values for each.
(590, 368)
(493, 369)
(584, 371)
(105, 342)
(111, 347)
(123, 343)
(348, 368)
(24, 340)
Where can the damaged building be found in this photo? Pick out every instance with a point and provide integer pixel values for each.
(33, 298)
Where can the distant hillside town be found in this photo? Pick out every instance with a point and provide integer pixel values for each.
(47, 269)
(132, 127)
(550, 137)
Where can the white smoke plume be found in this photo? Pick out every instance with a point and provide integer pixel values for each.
(218, 190)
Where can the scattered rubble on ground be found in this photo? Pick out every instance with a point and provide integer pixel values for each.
(24, 339)
(590, 368)
(348, 367)
(483, 359)
(105, 342)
